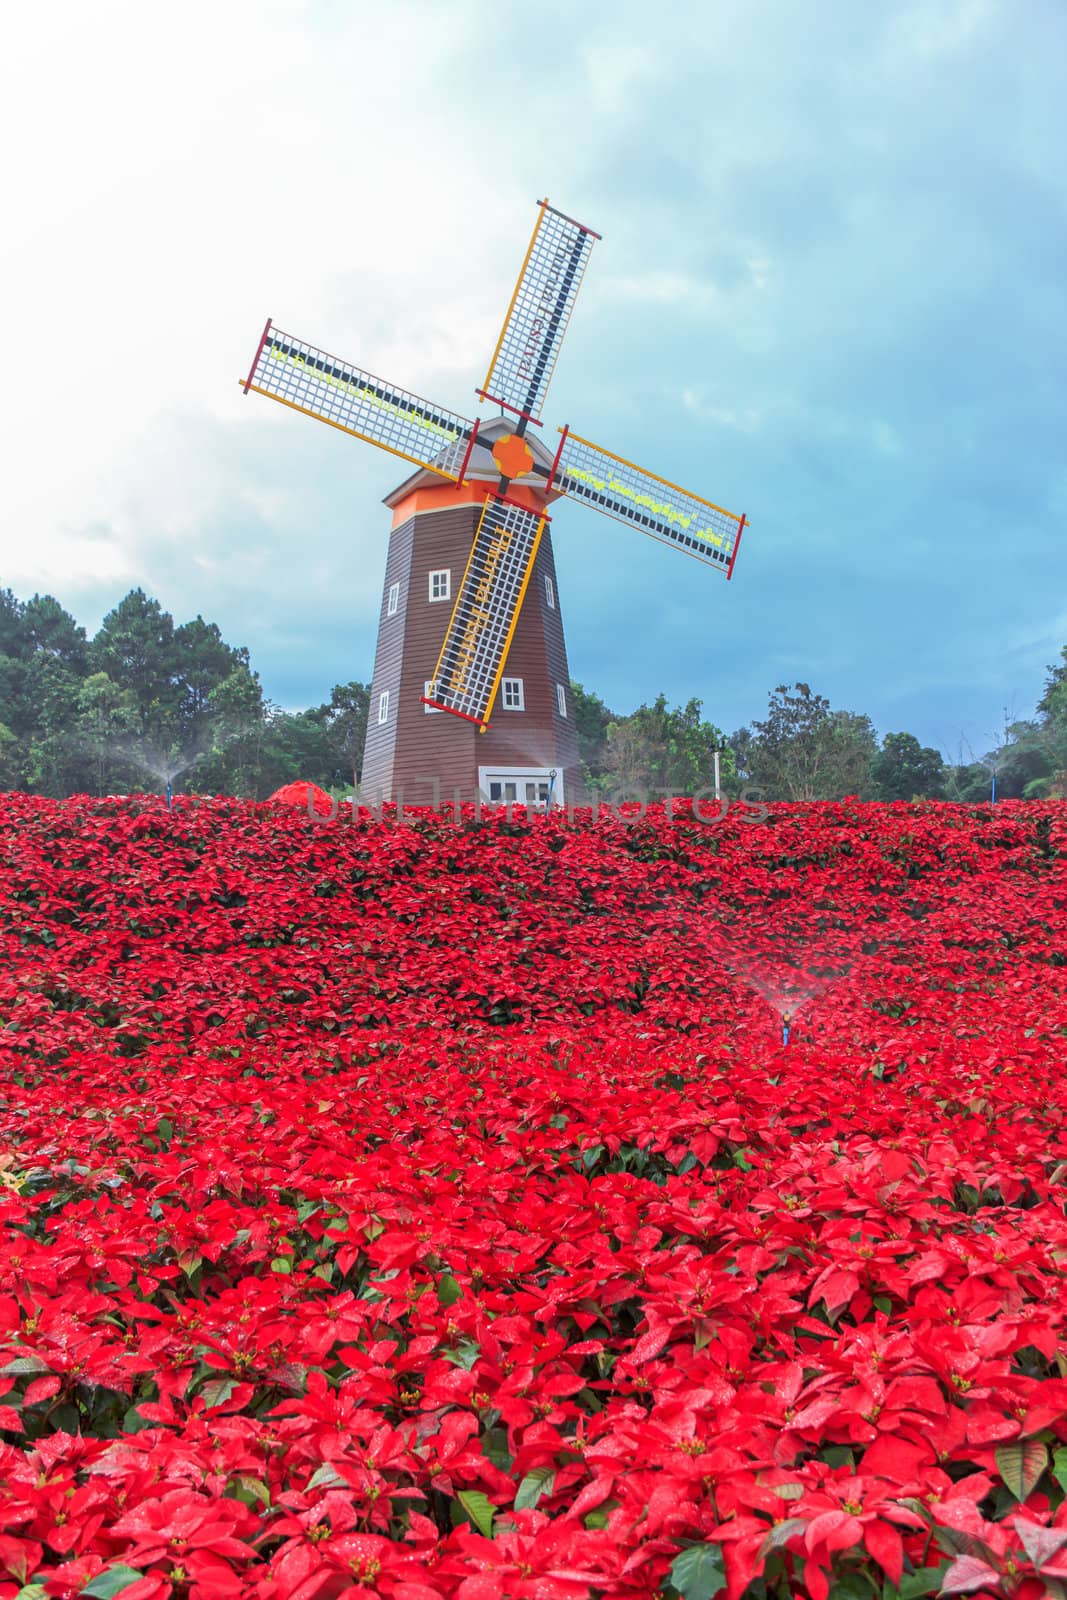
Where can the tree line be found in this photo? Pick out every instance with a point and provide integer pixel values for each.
(146, 700)
(804, 749)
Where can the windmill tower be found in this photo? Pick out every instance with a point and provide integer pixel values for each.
(470, 557)
(415, 753)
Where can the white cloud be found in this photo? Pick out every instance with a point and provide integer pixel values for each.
(827, 291)
(178, 175)
(933, 29)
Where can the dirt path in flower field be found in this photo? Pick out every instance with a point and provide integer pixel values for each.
(430, 1208)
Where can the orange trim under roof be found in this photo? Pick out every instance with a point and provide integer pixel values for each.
(441, 497)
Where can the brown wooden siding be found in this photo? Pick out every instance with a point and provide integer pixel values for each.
(566, 734)
(378, 749)
(430, 758)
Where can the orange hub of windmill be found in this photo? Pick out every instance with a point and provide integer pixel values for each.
(513, 456)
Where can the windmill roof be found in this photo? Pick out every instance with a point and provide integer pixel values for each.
(482, 465)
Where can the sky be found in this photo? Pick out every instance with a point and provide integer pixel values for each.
(829, 294)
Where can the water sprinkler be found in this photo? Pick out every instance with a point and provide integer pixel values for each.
(170, 796)
(551, 786)
(785, 1028)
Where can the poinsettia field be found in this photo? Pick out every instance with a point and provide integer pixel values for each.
(429, 1207)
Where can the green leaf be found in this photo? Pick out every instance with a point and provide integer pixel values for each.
(1059, 1468)
(479, 1509)
(23, 1364)
(781, 1534)
(252, 1491)
(924, 1580)
(537, 1482)
(326, 1477)
(32, 1591)
(217, 1390)
(282, 1264)
(449, 1290)
(465, 1356)
(495, 1447)
(165, 1129)
(111, 1581)
(699, 1572)
(1020, 1464)
(851, 1586)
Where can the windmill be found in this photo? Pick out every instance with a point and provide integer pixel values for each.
(494, 479)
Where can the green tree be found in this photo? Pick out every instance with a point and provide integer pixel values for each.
(200, 661)
(106, 720)
(592, 719)
(660, 750)
(10, 759)
(343, 720)
(803, 750)
(295, 745)
(237, 725)
(1053, 702)
(741, 742)
(967, 783)
(51, 632)
(10, 624)
(1053, 709)
(905, 770)
(42, 663)
(135, 648)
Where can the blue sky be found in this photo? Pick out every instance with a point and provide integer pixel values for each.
(830, 294)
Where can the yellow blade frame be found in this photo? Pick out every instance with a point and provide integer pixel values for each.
(611, 484)
(333, 391)
(471, 664)
(551, 275)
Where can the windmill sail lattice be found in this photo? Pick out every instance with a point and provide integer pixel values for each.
(471, 663)
(610, 484)
(334, 391)
(479, 634)
(551, 275)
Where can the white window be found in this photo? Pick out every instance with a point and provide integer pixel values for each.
(441, 584)
(561, 699)
(512, 695)
(394, 600)
(430, 687)
(383, 707)
(550, 592)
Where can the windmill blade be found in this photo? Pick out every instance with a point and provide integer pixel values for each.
(471, 663)
(334, 391)
(525, 354)
(617, 487)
